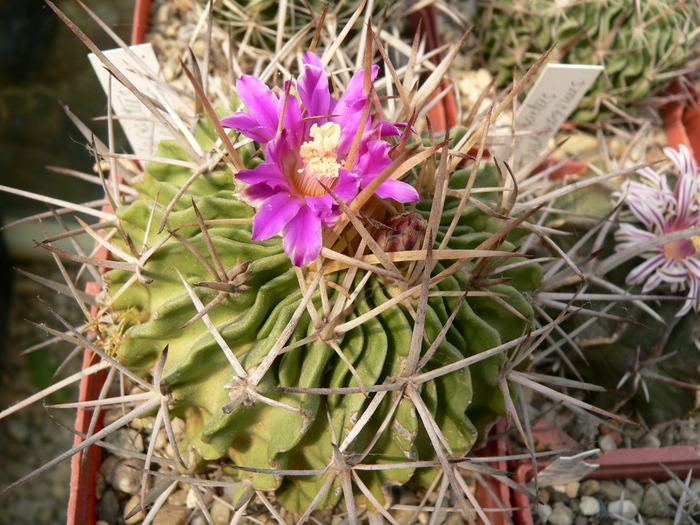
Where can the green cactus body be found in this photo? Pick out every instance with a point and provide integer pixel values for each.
(640, 45)
(257, 435)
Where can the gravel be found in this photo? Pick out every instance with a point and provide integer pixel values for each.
(29, 437)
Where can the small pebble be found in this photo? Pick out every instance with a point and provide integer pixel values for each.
(695, 487)
(654, 503)
(589, 506)
(632, 486)
(589, 487)
(561, 515)
(634, 492)
(230, 490)
(192, 501)
(624, 508)
(131, 505)
(607, 442)
(676, 488)
(689, 434)
(172, 515)
(198, 520)
(650, 440)
(108, 507)
(178, 497)
(544, 511)
(659, 521)
(220, 513)
(126, 476)
(611, 491)
(571, 489)
(126, 438)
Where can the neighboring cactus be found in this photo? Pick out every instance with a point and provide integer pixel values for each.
(265, 25)
(251, 315)
(642, 45)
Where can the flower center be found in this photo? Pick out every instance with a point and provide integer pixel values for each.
(681, 249)
(320, 162)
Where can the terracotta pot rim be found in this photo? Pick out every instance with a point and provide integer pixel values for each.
(85, 465)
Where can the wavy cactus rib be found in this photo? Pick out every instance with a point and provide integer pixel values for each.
(285, 428)
(641, 45)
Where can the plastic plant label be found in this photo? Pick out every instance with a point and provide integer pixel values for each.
(142, 130)
(556, 93)
(565, 470)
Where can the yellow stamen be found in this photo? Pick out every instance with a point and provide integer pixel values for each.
(696, 240)
(320, 162)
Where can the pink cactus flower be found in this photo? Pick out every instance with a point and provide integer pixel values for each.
(306, 136)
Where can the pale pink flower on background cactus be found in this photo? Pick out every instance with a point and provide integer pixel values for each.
(663, 210)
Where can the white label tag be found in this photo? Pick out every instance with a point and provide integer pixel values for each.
(556, 93)
(139, 125)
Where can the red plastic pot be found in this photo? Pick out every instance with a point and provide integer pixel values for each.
(643, 464)
(443, 115)
(85, 465)
(682, 116)
(497, 447)
(142, 21)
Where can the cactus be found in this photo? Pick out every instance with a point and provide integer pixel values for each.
(371, 348)
(642, 46)
(256, 293)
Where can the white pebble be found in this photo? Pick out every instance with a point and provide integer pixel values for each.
(544, 511)
(624, 508)
(561, 515)
(607, 442)
(589, 506)
(126, 476)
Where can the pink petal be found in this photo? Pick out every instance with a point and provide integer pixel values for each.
(260, 101)
(265, 173)
(274, 214)
(631, 234)
(293, 124)
(674, 273)
(259, 192)
(397, 190)
(249, 126)
(653, 281)
(326, 208)
(693, 298)
(388, 129)
(353, 94)
(373, 160)
(313, 87)
(683, 161)
(348, 121)
(644, 269)
(693, 266)
(302, 237)
(347, 186)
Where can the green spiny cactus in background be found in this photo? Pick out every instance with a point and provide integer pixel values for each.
(263, 25)
(295, 430)
(642, 45)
